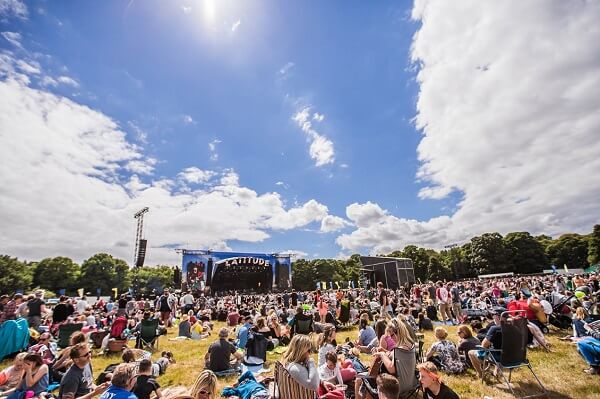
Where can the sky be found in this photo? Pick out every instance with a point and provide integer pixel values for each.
(318, 128)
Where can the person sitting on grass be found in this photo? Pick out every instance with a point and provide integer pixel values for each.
(388, 386)
(444, 354)
(204, 387)
(145, 385)
(433, 387)
(424, 322)
(121, 383)
(11, 376)
(219, 354)
(77, 381)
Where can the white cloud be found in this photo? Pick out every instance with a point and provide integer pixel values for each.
(186, 9)
(196, 175)
(510, 121)
(68, 81)
(318, 117)
(212, 147)
(141, 166)
(9, 8)
(286, 69)
(188, 120)
(30, 67)
(13, 38)
(236, 25)
(66, 189)
(48, 81)
(333, 223)
(295, 253)
(321, 148)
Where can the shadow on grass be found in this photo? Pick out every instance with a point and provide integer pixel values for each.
(526, 388)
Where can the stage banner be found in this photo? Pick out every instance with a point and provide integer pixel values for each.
(199, 267)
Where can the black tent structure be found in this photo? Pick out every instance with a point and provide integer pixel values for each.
(392, 272)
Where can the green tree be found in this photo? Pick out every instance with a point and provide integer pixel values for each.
(436, 270)
(303, 275)
(153, 279)
(488, 254)
(103, 271)
(570, 250)
(420, 259)
(57, 273)
(526, 254)
(14, 274)
(594, 246)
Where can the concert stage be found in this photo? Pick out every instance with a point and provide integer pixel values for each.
(224, 271)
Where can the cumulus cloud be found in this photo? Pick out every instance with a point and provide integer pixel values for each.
(196, 175)
(66, 187)
(13, 38)
(188, 120)
(16, 8)
(321, 148)
(318, 117)
(507, 106)
(332, 223)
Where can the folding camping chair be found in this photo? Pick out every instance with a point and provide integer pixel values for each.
(405, 362)
(148, 336)
(65, 331)
(286, 387)
(513, 354)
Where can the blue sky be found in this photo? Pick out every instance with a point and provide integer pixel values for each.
(221, 86)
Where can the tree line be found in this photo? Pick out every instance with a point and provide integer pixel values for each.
(517, 252)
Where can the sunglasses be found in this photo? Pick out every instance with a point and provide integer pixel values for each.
(204, 392)
(86, 354)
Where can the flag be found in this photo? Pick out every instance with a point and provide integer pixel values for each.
(318, 285)
(330, 285)
(80, 292)
(337, 285)
(566, 268)
(62, 291)
(115, 292)
(323, 285)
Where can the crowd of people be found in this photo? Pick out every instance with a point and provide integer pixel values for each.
(298, 326)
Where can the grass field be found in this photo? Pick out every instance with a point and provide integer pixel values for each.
(560, 370)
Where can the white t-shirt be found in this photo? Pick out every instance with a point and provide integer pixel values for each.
(81, 305)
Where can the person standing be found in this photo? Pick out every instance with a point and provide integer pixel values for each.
(443, 298)
(36, 307)
(10, 309)
(382, 299)
(165, 307)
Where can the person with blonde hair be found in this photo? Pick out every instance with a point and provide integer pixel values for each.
(11, 376)
(298, 362)
(444, 353)
(205, 385)
(579, 323)
(431, 382)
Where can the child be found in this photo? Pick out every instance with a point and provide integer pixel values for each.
(11, 376)
(160, 366)
(330, 370)
(145, 384)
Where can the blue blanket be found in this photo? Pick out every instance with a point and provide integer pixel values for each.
(14, 337)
